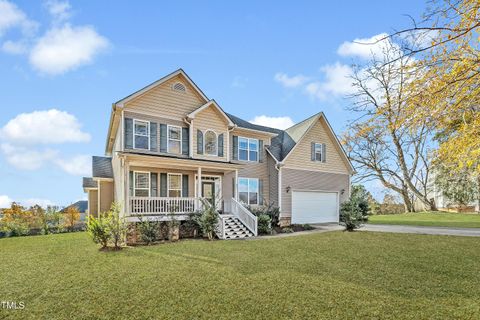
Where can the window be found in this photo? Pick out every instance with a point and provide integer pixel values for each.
(318, 152)
(174, 185)
(247, 149)
(248, 190)
(142, 134)
(178, 86)
(142, 184)
(210, 140)
(174, 139)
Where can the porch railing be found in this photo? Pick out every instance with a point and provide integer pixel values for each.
(243, 214)
(164, 205)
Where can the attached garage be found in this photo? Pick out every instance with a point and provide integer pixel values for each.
(314, 207)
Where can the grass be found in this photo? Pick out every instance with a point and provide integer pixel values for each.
(437, 219)
(324, 275)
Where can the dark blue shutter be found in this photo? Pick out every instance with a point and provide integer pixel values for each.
(153, 184)
(153, 137)
(185, 141)
(235, 148)
(128, 133)
(184, 185)
(313, 151)
(260, 150)
(324, 153)
(260, 191)
(199, 142)
(220, 145)
(131, 183)
(163, 138)
(163, 185)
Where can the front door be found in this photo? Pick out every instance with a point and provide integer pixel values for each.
(208, 191)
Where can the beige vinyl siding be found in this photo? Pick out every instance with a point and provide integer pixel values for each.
(301, 156)
(210, 118)
(163, 100)
(106, 195)
(312, 181)
(272, 180)
(93, 202)
(252, 169)
(159, 120)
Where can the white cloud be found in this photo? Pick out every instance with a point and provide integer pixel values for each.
(290, 82)
(14, 47)
(36, 201)
(44, 127)
(239, 82)
(337, 82)
(66, 48)
(26, 158)
(79, 165)
(11, 17)
(5, 201)
(365, 47)
(273, 122)
(60, 10)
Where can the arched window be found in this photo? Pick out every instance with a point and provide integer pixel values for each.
(210, 143)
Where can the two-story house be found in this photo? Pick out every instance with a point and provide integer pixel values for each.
(170, 149)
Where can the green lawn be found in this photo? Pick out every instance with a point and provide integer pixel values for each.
(325, 275)
(438, 219)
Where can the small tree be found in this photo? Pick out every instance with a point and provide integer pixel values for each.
(355, 211)
(264, 224)
(460, 187)
(98, 229)
(116, 226)
(55, 219)
(72, 215)
(173, 228)
(15, 220)
(39, 219)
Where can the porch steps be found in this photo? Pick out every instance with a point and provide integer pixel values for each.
(234, 229)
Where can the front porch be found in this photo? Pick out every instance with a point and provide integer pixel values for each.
(158, 189)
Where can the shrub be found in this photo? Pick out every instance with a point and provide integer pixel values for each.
(148, 230)
(307, 227)
(98, 229)
(351, 215)
(264, 224)
(117, 227)
(55, 219)
(16, 221)
(269, 210)
(207, 221)
(287, 230)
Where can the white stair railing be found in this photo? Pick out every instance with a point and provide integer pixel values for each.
(242, 214)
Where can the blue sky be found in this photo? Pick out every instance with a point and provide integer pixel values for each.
(62, 64)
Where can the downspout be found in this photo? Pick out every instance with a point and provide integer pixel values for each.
(278, 167)
(230, 129)
(189, 121)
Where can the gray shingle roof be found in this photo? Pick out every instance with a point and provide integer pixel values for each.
(285, 140)
(89, 182)
(102, 167)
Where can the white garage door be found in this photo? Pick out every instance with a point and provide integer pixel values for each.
(314, 207)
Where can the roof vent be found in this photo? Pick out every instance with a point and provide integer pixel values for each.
(179, 87)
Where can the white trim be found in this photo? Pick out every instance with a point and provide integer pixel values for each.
(168, 138)
(280, 189)
(271, 154)
(209, 103)
(122, 134)
(314, 170)
(216, 143)
(248, 149)
(199, 184)
(168, 184)
(271, 134)
(98, 200)
(315, 152)
(190, 142)
(101, 179)
(135, 182)
(148, 134)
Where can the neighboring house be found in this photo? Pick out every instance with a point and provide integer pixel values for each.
(169, 148)
(82, 207)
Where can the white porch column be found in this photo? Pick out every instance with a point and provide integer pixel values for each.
(235, 194)
(126, 176)
(199, 182)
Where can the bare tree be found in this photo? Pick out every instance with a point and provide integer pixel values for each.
(382, 142)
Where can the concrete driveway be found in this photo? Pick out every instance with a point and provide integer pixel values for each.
(467, 232)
